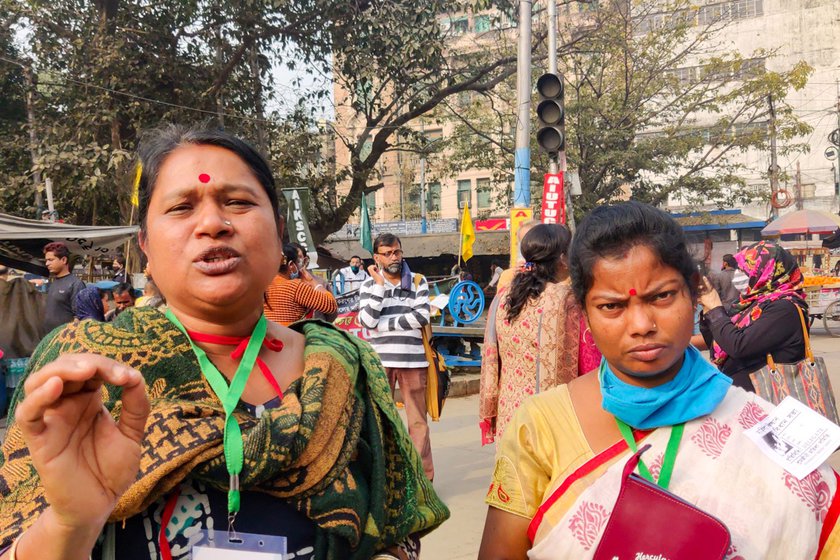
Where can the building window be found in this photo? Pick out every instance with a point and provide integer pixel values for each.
(464, 192)
(433, 196)
(460, 25)
(367, 147)
(728, 11)
(363, 93)
(414, 198)
(482, 192)
(482, 24)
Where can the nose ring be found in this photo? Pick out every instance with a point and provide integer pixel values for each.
(227, 223)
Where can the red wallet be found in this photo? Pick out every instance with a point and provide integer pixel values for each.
(651, 523)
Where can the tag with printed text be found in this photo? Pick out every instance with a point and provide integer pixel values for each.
(796, 437)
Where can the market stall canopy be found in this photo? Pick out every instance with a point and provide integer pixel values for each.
(22, 241)
(802, 221)
(714, 220)
(431, 245)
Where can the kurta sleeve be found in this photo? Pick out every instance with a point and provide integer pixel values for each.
(770, 329)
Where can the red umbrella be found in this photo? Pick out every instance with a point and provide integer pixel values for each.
(802, 221)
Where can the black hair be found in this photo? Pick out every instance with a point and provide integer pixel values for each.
(543, 248)
(387, 239)
(355, 257)
(729, 259)
(156, 145)
(120, 259)
(290, 255)
(122, 288)
(611, 231)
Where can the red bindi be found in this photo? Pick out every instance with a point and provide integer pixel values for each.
(633, 291)
(204, 178)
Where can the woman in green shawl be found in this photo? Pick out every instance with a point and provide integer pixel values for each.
(130, 438)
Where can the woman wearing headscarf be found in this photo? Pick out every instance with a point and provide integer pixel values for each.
(89, 304)
(132, 437)
(536, 335)
(766, 319)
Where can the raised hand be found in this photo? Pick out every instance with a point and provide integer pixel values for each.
(373, 270)
(709, 297)
(85, 459)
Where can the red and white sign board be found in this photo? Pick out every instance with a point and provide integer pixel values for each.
(492, 224)
(350, 322)
(553, 200)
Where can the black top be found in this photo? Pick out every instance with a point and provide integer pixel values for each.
(61, 301)
(777, 331)
(200, 507)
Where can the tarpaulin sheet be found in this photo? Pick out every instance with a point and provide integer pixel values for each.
(22, 241)
(21, 317)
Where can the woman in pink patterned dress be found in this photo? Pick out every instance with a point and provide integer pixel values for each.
(561, 466)
(536, 337)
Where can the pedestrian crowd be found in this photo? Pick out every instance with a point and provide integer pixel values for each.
(210, 403)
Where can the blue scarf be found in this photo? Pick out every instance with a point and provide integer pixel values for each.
(696, 391)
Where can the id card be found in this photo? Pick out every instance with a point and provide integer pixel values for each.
(221, 545)
(796, 437)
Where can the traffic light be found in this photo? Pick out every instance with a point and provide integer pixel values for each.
(551, 134)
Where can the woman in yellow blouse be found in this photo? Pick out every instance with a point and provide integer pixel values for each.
(560, 463)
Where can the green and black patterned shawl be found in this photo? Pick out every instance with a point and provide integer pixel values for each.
(335, 449)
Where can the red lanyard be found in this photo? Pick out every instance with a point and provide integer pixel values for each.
(241, 343)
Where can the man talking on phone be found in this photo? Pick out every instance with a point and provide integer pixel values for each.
(394, 307)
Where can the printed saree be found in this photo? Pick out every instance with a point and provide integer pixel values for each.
(771, 514)
(336, 449)
(545, 346)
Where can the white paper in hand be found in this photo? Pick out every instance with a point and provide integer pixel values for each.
(796, 437)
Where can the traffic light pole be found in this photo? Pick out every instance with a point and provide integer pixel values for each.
(558, 163)
(552, 63)
(522, 155)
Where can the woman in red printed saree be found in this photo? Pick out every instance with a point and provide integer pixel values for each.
(559, 465)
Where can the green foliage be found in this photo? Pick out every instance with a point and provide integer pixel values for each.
(651, 110)
(108, 70)
(13, 152)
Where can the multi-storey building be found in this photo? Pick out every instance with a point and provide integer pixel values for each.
(788, 30)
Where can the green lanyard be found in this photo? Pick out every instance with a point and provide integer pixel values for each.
(670, 452)
(229, 396)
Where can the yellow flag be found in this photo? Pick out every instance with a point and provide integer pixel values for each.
(135, 190)
(467, 234)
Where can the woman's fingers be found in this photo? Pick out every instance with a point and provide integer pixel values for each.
(81, 368)
(30, 413)
(135, 407)
(81, 373)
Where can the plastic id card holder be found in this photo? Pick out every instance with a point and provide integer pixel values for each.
(221, 545)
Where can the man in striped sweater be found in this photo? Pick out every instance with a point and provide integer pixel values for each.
(394, 307)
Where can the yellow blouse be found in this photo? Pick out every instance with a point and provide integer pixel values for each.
(529, 463)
